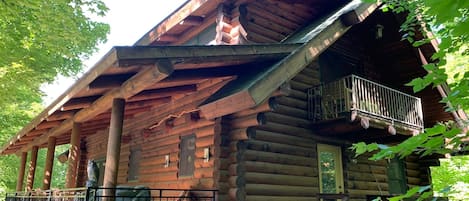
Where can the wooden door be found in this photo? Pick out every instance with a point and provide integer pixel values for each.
(331, 177)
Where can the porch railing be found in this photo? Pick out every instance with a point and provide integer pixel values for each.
(73, 194)
(355, 94)
(121, 194)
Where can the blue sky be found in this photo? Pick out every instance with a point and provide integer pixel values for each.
(129, 20)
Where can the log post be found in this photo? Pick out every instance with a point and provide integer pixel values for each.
(49, 163)
(73, 159)
(32, 168)
(19, 183)
(113, 148)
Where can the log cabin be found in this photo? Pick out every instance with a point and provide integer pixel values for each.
(243, 100)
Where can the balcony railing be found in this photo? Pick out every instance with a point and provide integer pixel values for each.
(121, 194)
(355, 94)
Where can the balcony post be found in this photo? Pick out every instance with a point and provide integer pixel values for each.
(113, 148)
(19, 183)
(32, 168)
(49, 163)
(73, 157)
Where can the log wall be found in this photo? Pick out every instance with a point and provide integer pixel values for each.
(270, 153)
(164, 140)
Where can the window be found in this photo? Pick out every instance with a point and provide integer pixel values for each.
(397, 177)
(134, 160)
(330, 169)
(187, 155)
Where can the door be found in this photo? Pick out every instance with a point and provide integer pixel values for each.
(331, 177)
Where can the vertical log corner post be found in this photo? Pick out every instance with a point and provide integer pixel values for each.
(73, 157)
(32, 168)
(113, 147)
(19, 183)
(49, 163)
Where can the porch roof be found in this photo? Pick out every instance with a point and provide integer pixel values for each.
(87, 100)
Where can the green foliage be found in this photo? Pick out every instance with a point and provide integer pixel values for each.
(38, 41)
(449, 22)
(452, 172)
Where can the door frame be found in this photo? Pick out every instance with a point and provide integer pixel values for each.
(337, 151)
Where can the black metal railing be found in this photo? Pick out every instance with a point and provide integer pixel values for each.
(353, 93)
(138, 193)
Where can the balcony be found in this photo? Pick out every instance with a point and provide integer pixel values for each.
(355, 98)
(138, 193)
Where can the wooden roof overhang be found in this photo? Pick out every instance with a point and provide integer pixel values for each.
(262, 20)
(251, 92)
(144, 76)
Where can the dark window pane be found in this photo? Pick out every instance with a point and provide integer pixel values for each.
(187, 155)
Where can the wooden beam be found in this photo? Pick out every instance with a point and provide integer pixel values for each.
(32, 169)
(73, 160)
(19, 182)
(58, 115)
(109, 81)
(167, 38)
(134, 85)
(114, 147)
(79, 103)
(201, 54)
(191, 33)
(162, 93)
(192, 21)
(48, 124)
(257, 91)
(173, 20)
(49, 163)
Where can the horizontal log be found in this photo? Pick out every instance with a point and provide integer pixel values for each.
(356, 192)
(300, 86)
(291, 111)
(277, 158)
(299, 132)
(268, 136)
(365, 185)
(280, 190)
(158, 177)
(288, 120)
(279, 198)
(358, 176)
(251, 120)
(205, 141)
(238, 194)
(203, 173)
(264, 167)
(236, 181)
(270, 105)
(280, 148)
(241, 133)
(279, 179)
(293, 102)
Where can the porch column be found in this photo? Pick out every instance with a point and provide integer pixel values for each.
(113, 146)
(73, 157)
(19, 183)
(32, 169)
(49, 163)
